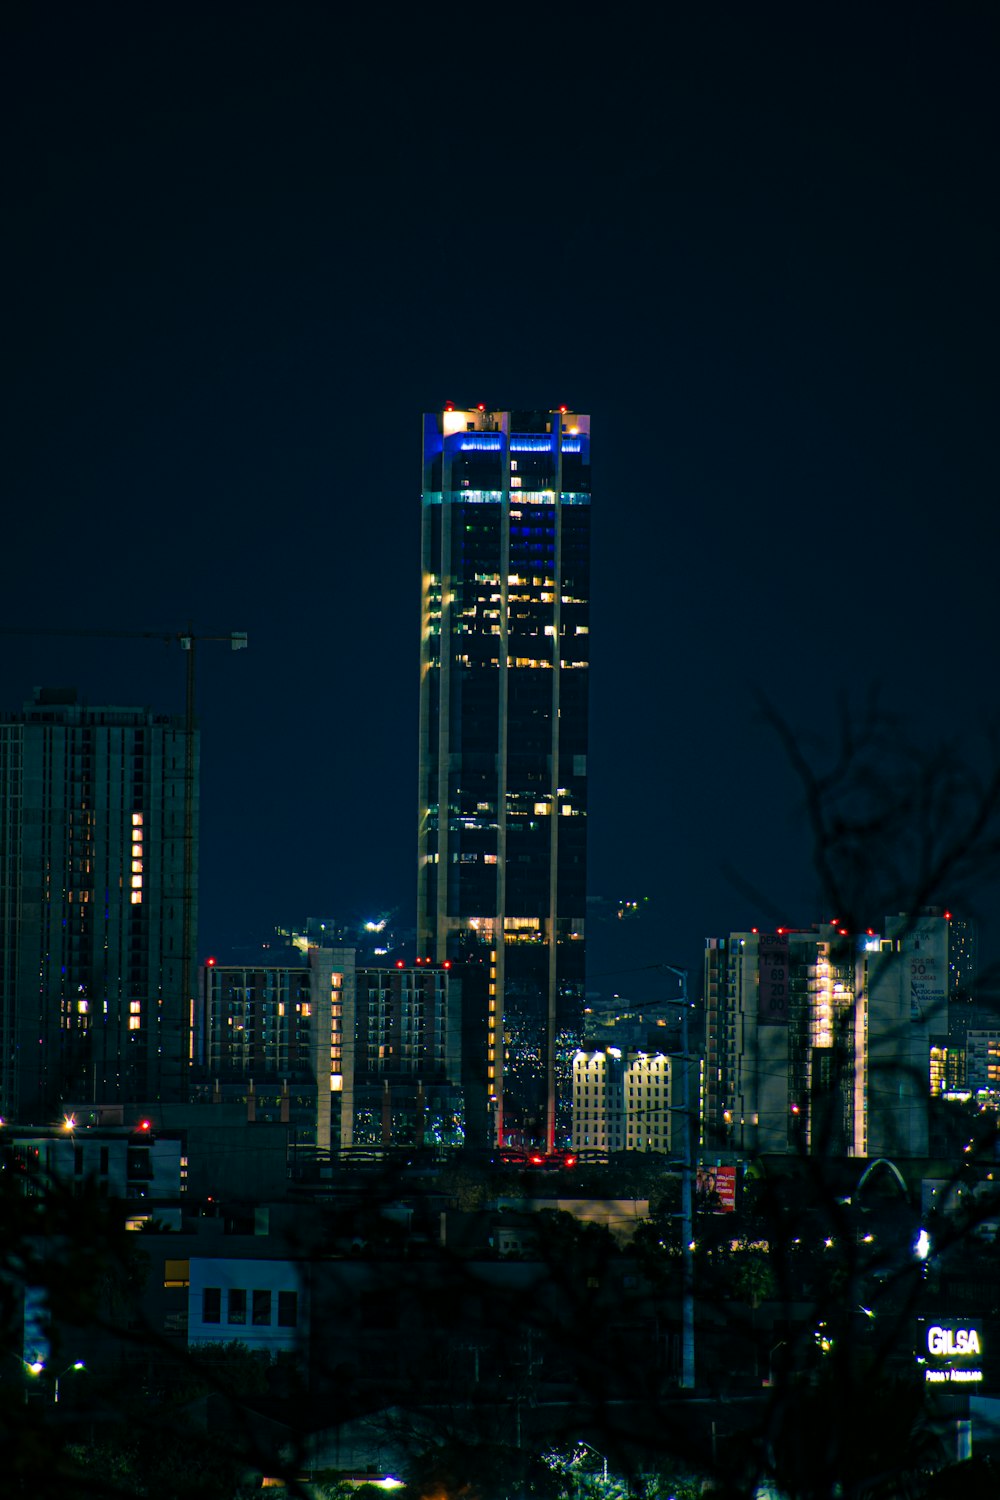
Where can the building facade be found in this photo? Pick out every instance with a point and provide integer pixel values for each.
(346, 1056)
(626, 1100)
(820, 1040)
(503, 753)
(97, 904)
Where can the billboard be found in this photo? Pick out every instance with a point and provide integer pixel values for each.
(772, 969)
(716, 1189)
(951, 1350)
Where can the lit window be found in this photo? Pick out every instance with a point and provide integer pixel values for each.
(178, 1273)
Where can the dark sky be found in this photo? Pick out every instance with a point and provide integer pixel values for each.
(245, 247)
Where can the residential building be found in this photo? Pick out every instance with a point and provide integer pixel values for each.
(503, 753)
(983, 1064)
(97, 809)
(908, 981)
(964, 998)
(820, 1040)
(629, 1100)
(130, 1163)
(346, 1056)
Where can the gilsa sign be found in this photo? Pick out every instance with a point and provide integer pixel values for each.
(953, 1351)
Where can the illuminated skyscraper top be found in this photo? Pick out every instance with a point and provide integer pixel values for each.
(503, 751)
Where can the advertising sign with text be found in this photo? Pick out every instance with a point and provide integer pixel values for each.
(772, 1004)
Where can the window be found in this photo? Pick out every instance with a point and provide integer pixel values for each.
(237, 1305)
(211, 1304)
(288, 1309)
(178, 1273)
(262, 1309)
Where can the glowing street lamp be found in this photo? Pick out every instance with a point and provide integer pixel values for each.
(77, 1364)
(601, 1456)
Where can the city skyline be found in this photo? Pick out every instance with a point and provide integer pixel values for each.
(767, 272)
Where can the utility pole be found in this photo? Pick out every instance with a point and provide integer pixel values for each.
(687, 1196)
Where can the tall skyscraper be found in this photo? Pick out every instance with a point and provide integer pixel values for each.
(503, 753)
(95, 985)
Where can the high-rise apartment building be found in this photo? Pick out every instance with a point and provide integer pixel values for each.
(95, 984)
(503, 752)
(346, 1056)
(820, 1040)
(626, 1099)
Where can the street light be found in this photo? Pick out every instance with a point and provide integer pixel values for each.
(77, 1364)
(601, 1456)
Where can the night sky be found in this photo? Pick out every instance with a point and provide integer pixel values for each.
(245, 247)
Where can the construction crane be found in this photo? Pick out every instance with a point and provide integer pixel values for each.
(188, 640)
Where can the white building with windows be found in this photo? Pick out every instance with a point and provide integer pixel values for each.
(259, 1303)
(623, 1099)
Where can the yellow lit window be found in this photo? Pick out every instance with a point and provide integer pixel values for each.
(176, 1273)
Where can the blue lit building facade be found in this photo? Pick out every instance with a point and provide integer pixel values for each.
(503, 753)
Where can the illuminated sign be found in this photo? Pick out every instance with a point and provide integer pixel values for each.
(953, 1350)
(953, 1341)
